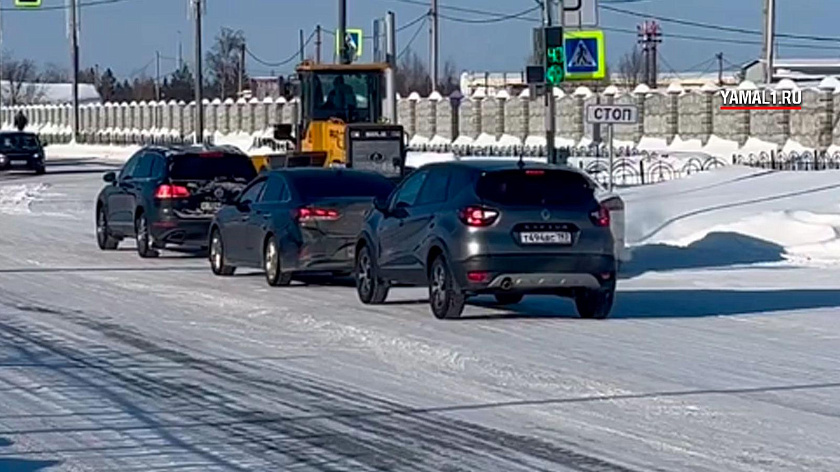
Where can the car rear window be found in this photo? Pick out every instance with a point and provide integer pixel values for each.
(211, 166)
(337, 183)
(535, 187)
(18, 142)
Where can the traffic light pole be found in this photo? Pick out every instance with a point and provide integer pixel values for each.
(74, 35)
(550, 105)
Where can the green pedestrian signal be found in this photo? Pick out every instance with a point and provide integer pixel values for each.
(28, 3)
(555, 71)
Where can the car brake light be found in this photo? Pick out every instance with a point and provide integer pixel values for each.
(310, 214)
(534, 172)
(478, 216)
(165, 192)
(211, 154)
(601, 217)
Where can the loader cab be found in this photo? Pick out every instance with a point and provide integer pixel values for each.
(351, 93)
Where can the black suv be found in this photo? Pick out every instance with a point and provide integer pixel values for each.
(504, 228)
(20, 150)
(168, 196)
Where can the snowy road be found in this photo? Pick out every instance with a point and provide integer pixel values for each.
(109, 362)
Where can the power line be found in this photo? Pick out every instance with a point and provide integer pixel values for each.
(731, 29)
(410, 41)
(281, 63)
(499, 19)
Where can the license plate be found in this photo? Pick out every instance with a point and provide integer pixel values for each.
(558, 237)
(210, 206)
(19, 163)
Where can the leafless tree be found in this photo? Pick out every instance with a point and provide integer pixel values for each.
(54, 74)
(21, 77)
(631, 68)
(223, 62)
(413, 76)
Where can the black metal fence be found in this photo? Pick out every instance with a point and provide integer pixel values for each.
(807, 160)
(645, 170)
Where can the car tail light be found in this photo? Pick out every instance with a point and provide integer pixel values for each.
(601, 217)
(478, 216)
(166, 192)
(314, 213)
(211, 154)
(534, 172)
(478, 277)
(613, 204)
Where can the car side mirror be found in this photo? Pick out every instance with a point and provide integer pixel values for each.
(401, 210)
(381, 205)
(43, 145)
(243, 206)
(233, 196)
(110, 177)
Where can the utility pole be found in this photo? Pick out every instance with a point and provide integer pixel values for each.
(1, 71)
(343, 57)
(656, 38)
(719, 57)
(318, 44)
(74, 46)
(157, 76)
(377, 50)
(550, 106)
(302, 46)
(241, 80)
(180, 52)
(199, 77)
(649, 35)
(391, 59)
(434, 49)
(769, 39)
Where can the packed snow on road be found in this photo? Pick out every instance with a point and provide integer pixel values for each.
(721, 353)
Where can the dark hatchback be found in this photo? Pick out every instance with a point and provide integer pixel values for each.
(168, 196)
(295, 221)
(21, 151)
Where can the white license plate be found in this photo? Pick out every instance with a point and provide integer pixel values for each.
(210, 206)
(19, 163)
(558, 237)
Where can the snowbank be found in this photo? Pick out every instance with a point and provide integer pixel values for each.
(85, 151)
(740, 209)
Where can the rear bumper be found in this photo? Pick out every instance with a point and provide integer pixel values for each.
(192, 232)
(537, 273)
(329, 255)
(20, 162)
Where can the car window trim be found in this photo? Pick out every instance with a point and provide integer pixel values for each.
(395, 199)
(259, 181)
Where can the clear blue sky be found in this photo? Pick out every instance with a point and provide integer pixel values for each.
(125, 35)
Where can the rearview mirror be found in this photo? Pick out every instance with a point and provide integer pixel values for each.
(243, 206)
(110, 177)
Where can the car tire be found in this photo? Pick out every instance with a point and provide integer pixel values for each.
(508, 298)
(142, 236)
(217, 255)
(371, 289)
(445, 298)
(104, 240)
(40, 170)
(595, 304)
(274, 274)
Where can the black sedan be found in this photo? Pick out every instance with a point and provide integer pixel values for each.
(295, 221)
(21, 151)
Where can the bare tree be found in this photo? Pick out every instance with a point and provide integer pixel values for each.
(21, 77)
(54, 74)
(450, 81)
(631, 68)
(223, 62)
(412, 76)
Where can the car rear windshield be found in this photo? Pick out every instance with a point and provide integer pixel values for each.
(212, 166)
(11, 142)
(535, 188)
(338, 184)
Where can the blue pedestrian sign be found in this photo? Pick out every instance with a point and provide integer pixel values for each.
(585, 55)
(354, 39)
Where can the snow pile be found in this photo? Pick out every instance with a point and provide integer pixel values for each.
(738, 212)
(90, 151)
(17, 199)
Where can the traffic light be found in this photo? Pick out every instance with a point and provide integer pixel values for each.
(28, 3)
(555, 55)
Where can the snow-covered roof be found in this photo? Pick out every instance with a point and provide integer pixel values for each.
(54, 93)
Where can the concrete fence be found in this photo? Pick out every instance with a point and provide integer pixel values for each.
(438, 123)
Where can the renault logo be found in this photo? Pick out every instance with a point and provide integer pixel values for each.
(546, 215)
(376, 157)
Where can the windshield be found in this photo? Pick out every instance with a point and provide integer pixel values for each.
(339, 184)
(351, 97)
(20, 142)
(211, 166)
(535, 188)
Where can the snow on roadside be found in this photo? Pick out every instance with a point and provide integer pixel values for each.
(82, 151)
(797, 211)
(17, 199)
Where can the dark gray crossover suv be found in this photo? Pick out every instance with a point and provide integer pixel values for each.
(504, 228)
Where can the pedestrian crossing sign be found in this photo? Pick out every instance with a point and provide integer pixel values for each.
(585, 55)
(354, 39)
(28, 3)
